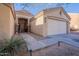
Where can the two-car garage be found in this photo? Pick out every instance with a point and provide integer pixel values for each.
(52, 21)
(56, 27)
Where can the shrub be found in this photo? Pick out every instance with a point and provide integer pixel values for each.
(11, 46)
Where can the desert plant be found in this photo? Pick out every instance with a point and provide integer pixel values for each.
(11, 46)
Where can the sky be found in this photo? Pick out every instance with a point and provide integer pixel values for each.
(69, 8)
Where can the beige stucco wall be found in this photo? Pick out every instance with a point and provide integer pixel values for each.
(37, 25)
(74, 20)
(6, 22)
(56, 12)
(12, 25)
(23, 14)
(55, 27)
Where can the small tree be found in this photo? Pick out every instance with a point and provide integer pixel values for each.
(24, 5)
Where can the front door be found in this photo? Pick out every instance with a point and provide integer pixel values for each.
(22, 27)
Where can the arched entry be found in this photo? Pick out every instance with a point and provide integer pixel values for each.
(22, 25)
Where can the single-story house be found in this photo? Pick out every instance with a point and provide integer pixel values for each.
(23, 18)
(51, 21)
(6, 20)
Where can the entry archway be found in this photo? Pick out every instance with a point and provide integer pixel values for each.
(22, 25)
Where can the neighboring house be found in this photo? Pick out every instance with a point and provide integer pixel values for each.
(6, 20)
(23, 21)
(74, 23)
(51, 21)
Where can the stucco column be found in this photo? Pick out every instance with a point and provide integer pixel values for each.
(45, 27)
(16, 25)
(68, 27)
(28, 24)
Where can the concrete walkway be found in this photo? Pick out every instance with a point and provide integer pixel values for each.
(33, 44)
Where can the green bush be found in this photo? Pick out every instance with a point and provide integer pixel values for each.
(11, 46)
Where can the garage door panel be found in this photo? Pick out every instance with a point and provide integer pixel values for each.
(56, 27)
(62, 27)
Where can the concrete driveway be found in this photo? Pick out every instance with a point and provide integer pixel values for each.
(33, 44)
